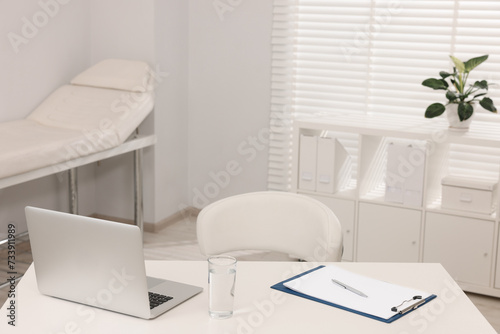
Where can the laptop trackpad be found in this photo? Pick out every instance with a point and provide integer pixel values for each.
(153, 281)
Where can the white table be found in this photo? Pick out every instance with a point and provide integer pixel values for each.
(259, 309)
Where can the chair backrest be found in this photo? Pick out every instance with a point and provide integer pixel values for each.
(281, 222)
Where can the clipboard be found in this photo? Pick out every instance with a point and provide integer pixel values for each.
(405, 307)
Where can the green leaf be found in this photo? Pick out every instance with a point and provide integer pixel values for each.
(465, 111)
(481, 84)
(458, 64)
(444, 74)
(474, 62)
(478, 95)
(487, 104)
(435, 83)
(434, 110)
(451, 96)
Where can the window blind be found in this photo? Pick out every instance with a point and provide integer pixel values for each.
(370, 56)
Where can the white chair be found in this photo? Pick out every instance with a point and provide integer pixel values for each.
(283, 222)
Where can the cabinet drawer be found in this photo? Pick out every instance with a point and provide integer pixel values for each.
(462, 245)
(388, 234)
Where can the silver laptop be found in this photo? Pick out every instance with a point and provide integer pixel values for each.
(98, 263)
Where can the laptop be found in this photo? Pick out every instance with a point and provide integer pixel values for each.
(98, 263)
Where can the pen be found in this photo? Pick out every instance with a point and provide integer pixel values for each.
(347, 287)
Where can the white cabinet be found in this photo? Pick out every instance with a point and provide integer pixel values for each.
(464, 246)
(390, 199)
(344, 210)
(497, 281)
(388, 234)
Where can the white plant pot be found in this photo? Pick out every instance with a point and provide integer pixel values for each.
(454, 120)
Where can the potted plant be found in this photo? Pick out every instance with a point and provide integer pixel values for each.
(461, 99)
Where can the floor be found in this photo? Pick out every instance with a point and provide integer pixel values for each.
(178, 242)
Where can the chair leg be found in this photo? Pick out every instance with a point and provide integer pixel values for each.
(73, 191)
(138, 195)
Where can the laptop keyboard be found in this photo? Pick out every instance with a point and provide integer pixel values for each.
(156, 299)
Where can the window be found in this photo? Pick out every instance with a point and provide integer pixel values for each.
(362, 56)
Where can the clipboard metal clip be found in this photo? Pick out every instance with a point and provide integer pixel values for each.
(409, 308)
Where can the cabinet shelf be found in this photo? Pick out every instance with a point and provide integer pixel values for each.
(348, 193)
(457, 213)
(374, 226)
(381, 201)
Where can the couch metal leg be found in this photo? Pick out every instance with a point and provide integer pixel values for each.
(138, 195)
(73, 191)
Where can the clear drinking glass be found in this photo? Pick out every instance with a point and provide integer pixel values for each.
(221, 282)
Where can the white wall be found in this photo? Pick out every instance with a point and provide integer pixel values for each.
(123, 29)
(42, 47)
(229, 97)
(154, 31)
(46, 51)
(209, 110)
(171, 111)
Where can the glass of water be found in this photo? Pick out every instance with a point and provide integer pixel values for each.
(221, 281)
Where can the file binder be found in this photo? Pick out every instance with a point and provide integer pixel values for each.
(384, 301)
(307, 162)
(405, 174)
(333, 170)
